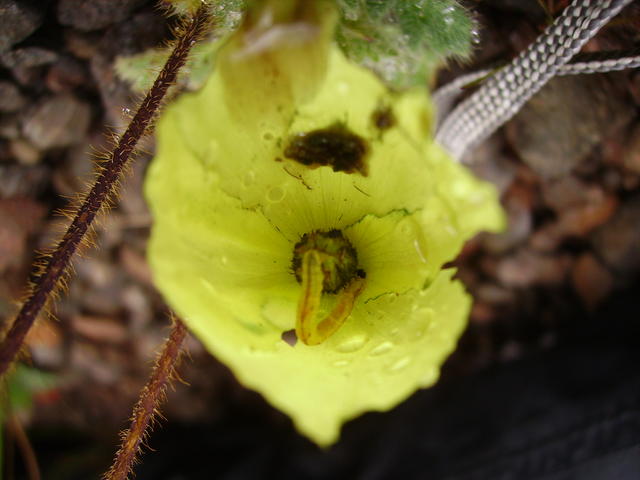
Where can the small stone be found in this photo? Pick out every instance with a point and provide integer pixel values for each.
(591, 280)
(28, 57)
(100, 329)
(10, 126)
(527, 268)
(46, 346)
(522, 6)
(563, 193)
(20, 181)
(20, 218)
(631, 156)
(546, 238)
(59, 121)
(136, 265)
(518, 230)
(617, 241)
(494, 294)
(82, 45)
(490, 164)
(518, 203)
(482, 314)
(11, 100)
(66, 74)
(24, 152)
(557, 129)
(581, 207)
(18, 19)
(78, 168)
(87, 15)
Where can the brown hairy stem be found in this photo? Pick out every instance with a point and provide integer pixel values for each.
(150, 398)
(52, 272)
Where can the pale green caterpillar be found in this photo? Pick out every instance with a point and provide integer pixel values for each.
(294, 191)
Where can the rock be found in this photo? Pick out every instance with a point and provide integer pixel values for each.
(100, 329)
(59, 121)
(591, 280)
(78, 169)
(557, 129)
(24, 152)
(18, 181)
(527, 268)
(490, 163)
(631, 155)
(87, 15)
(10, 126)
(66, 74)
(46, 344)
(135, 264)
(579, 206)
(20, 218)
(616, 242)
(494, 294)
(83, 45)
(11, 100)
(518, 202)
(28, 57)
(18, 19)
(563, 193)
(518, 230)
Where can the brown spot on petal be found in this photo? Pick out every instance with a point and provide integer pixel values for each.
(335, 146)
(383, 118)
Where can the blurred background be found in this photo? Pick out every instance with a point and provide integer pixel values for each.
(545, 382)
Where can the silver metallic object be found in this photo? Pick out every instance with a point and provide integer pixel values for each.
(504, 93)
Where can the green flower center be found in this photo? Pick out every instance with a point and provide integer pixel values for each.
(339, 260)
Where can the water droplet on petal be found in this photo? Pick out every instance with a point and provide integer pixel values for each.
(381, 349)
(340, 363)
(429, 378)
(399, 364)
(352, 344)
(249, 178)
(224, 260)
(276, 194)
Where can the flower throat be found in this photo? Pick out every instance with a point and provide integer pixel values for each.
(325, 263)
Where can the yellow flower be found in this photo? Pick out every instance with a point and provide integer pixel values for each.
(289, 146)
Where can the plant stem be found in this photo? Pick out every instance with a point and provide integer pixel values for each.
(148, 403)
(50, 275)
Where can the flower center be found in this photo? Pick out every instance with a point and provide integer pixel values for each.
(339, 260)
(325, 262)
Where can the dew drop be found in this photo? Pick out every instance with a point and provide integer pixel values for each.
(381, 349)
(400, 364)
(340, 363)
(276, 194)
(249, 178)
(405, 229)
(224, 260)
(352, 344)
(420, 250)
(429, 377)
(475, 37)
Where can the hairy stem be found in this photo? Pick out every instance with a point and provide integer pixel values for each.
(150, 397)
(50, 275)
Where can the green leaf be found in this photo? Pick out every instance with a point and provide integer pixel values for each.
(403, 42)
